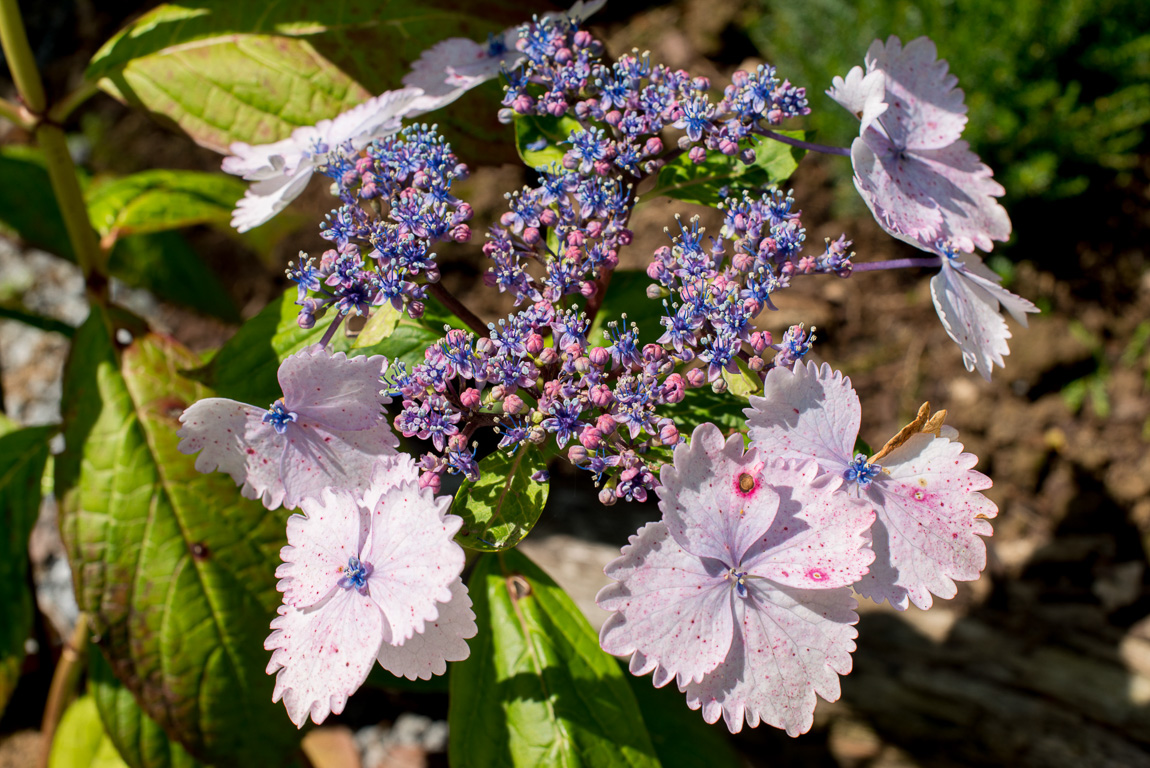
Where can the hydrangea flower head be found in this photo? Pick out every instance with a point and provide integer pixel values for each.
(920, 180)
(931, 516)
(327, 431)
(741, 592)
(374, 577)
(282, 169)
(967, 297)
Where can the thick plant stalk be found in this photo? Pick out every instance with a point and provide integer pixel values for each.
(20, 59)
(63, 685)
(13, 112)
(61, 169)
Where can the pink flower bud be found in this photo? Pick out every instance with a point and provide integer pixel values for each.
(523, 104)
(577, 454)
(606, 424)
(696, 377)
(470, 398)
(607, 497)
(534, 344)
(547, 357)
(587, 289)
(669, 433)
(697, 155)
(601, 395)
(461, 233)
(674, 388)
(590, 437)
(548, 216)
(653, 146)
(575, 238)
(512, 404)
(613, 117)
(760, 340)
(599, 356)
(429, 480)
(531, 235)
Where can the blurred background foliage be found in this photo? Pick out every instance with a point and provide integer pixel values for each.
(1058, 90)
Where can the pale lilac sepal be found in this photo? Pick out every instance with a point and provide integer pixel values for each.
(445, 639)
(309, 455)
(330, 628)
(806, 413)
(672, 608)
(967, 297)
(282, 169)
(930, 514)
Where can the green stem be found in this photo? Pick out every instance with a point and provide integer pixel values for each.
(20, 60)
(62, 172)
(61, 169)
(14, 113)
(60, 111)
(64, 680)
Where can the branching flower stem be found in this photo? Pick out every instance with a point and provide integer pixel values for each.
(50, 138)
(872, 266)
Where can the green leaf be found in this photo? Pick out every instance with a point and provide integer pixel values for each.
(229, 71)
(379, 326)
(166, 265)
(23, 454)
(627, 293)
(536, 689)
(139, 740)
(541, 139)
(861, 446)
(245, 367)
(684, 180)
(504, 504)
(155, 201)
(163, 263)
(80, 741)
(27, 204)
(175, 568)
(680, 736)
(704, 405)
(745, 382)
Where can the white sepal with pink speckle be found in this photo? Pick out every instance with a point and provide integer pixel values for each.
(333, 434)
(748, 555)
(366, 578)
(930, 514)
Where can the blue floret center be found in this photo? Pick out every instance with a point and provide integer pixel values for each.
(861, 471)
(355, 575)
(279, 416)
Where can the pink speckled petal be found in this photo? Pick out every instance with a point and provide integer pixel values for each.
(806, 413)
(414, 556)
(320, 545)
(924, 108)
(818, 539)
(375, 118)
(703, 506)
(264, 199)
(972, 267)
(339, 392)
(317, 458)
(923, 196)
(433, 70)
(790, 645)
(232, 438)
(426, 653)
(861, 95)
(969, 313)
(673, 611)
(933, 518)
(322, 655)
